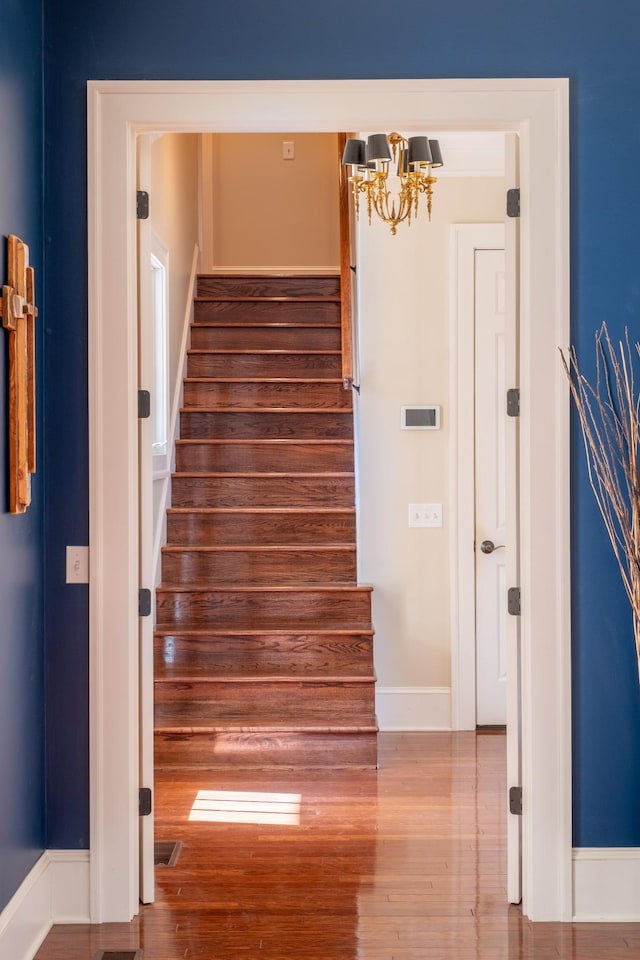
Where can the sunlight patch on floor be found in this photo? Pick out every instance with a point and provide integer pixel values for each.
(228, 806)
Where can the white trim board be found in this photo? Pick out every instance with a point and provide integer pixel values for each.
(56, 890)
(413, 708)
(119, 111)
(606, 884)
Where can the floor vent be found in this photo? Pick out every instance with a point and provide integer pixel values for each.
(119, 955)
(166, 853)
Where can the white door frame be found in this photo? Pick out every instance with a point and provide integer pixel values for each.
(117, 112)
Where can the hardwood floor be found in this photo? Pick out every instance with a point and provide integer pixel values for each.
(406, 863)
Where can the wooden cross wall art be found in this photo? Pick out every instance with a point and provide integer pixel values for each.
(18, 311)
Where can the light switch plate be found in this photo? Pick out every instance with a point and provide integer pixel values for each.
(425, 514)
(77, 564)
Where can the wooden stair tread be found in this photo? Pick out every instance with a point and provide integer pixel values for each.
(257, 676)
(296, 380)
(258, 547)
(263, 441)
(268, 588)
(259, 473)
(290, 629)
(219, 298)
(268, 325)
(268, 724)
(220, 408)
(261, 351)
(284, 511)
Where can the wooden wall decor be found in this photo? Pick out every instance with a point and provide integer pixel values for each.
(18, 311)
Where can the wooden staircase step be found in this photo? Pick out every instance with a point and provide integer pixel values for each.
(272, 745)
(266, 363)
(263, 456)
(209, 392)
(259, 564)
(203, 702)
(201, 527)
(291, 489)
(215, 652)
(262, 607)
(303, 285)
(239, 336)
(266, 423)
(301, 311)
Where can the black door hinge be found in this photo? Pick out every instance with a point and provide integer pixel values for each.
(513, 601)
(515, 801)
(144, 404)
(144, 603)
(142, 205)
(513, 402)
(513, 202)
(144, 801)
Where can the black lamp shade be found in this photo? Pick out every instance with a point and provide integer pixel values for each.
(354, 153)
(378, 147)
(436, 154)
(419, 150)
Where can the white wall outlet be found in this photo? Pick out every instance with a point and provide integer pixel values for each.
(288, 150)
(77, 564)
(425, 514)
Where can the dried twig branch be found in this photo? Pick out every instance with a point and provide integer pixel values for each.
(609, 413)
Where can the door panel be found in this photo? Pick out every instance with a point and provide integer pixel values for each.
(490, 392)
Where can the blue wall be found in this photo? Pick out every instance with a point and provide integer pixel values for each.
(22, 820)
(595, 45)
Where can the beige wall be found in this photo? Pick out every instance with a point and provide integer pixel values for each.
(261, 211)
(404, 352)
(174, 219)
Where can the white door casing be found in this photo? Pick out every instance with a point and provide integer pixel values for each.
(118, 112)
(146, 527)
(467, 242)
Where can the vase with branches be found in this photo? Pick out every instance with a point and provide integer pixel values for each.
(609, 412)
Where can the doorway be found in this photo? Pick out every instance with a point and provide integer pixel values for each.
(118, 110)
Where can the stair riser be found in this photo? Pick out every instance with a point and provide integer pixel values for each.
(198, 529)
(203, 702)
(265, 338)
(262, 491)
(287, 426)
(269, 311)
(331, 654)
(263, 365)
(237, 286)
(264, 609)
(208, 394)
(247, 750)
(249, 566)
(259, 457)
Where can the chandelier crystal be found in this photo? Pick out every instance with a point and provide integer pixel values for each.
(414, 158)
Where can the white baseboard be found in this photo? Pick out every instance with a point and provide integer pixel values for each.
(413, 708)
(606, 884)
(276, 271)
(56, 890)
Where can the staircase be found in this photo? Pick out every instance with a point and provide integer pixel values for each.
(263, 644)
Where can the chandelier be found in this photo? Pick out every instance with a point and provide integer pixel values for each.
(415, 159)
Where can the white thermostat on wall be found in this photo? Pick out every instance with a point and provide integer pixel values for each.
(420, 417)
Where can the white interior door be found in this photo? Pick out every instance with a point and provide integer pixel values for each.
(145, 531)
(490, 497)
